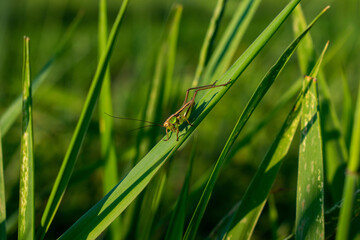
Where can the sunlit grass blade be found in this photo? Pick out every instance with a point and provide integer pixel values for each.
(261, 90)
(206, 48)
(177, 221)
(310, 185)
(26, 224)
(2, 196)
(335, 152)
(223, 54)
(92, 223)
(108, 149)
(13, 111)
(153, 193)
(352, 176)
(68, 163)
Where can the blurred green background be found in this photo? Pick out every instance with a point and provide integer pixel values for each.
(58, 102)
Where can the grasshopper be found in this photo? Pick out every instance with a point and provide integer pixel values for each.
(173, 122)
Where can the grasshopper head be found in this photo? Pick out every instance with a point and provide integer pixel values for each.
(170, 123)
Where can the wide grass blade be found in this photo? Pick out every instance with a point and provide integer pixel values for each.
(10, 115)
(334, 146)
(206, 48)
(68, 163)
(310, 186)
(223, 54)
(26, 224)
(2, 196)
(92, 223)
(240, 230)
(352, 176)
(108, 148)
(177, 221)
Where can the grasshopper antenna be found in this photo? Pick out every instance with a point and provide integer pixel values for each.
(134, 119)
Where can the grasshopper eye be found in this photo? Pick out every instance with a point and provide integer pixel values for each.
(173, 120)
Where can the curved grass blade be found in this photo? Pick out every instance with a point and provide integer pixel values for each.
(92, 223)
(177, 221)
(2, 196)
(224, 52)
(351, 181)
(108, 149)
(236, 230)
(80, 131)
(26, 225)
(10, 115)
(205, 51)
(310, 186)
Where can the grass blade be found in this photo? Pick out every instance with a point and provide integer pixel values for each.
(177, 221)
(2, 196)
(10, 115)
(221, 58)
(205, 51)
(26, 225)
(80, 131)
(92, 223)
(310, 186)
(351, 180)
(108, 149)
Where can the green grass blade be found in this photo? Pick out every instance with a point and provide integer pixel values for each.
(206, 48)
(254, 200)
(108, 148)
(177, 221)
(153, 193)
(26, 225)
(10, 115)
(81, 128)
(335, 152)
(351, 181)
(92, 223)
(2, 196)
(310, 186)
(223, 54)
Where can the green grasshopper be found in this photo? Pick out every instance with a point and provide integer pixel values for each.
(182, 115)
